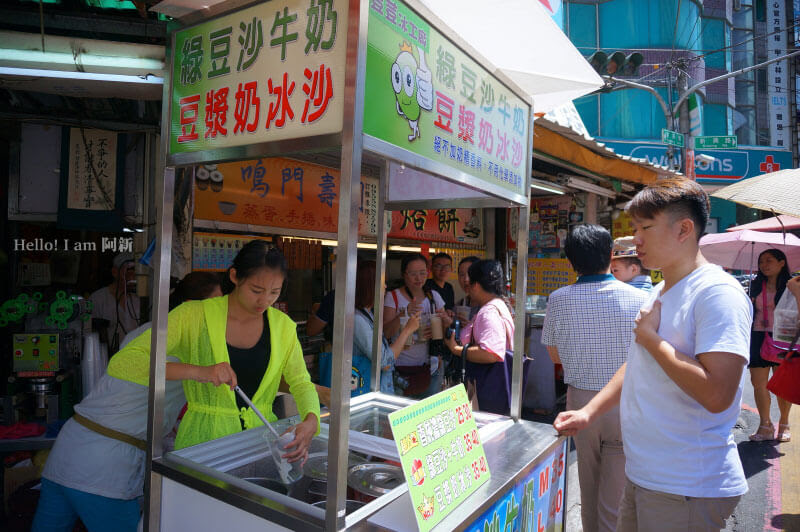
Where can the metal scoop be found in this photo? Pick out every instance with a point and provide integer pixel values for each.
(257, 411)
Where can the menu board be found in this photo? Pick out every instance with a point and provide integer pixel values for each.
(550, 221)
(548, 275)
(440, 452)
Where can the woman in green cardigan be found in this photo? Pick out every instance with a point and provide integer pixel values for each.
(238, 339)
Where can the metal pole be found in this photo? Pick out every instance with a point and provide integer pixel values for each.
(352, 139)
(521, 285)
(670, 119)
(164, 202)
(380, 278)
(684, 122)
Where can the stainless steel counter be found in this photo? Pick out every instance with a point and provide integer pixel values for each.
(218, 468)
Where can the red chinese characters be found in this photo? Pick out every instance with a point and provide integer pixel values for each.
(466, 124)
(319, 91)
(444, 111)
(246, 99)
(281, 105)
(190, 107)
(216, 112)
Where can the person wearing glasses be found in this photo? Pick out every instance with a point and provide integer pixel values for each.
(441, 266)
(414, 363)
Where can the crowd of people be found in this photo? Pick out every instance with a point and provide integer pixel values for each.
(654, 373)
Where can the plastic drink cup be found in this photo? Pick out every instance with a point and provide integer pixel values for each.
(288, 472)
(462, 312)
(424, 331)
(403, 322)
(436, 328)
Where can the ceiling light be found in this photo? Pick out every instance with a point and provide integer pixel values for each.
(580, 184)
(39, 73)
(547, 186)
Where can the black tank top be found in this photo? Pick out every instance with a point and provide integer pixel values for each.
(250, 364)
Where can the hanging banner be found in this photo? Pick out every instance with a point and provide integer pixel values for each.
(286, 193)
(269, 72)
(534, 503)
(778, 76)
(440, 452)
(92, 180)
(278, 192)
(439, 225)
(428, 97)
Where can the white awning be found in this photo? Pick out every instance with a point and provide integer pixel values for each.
(521, 39)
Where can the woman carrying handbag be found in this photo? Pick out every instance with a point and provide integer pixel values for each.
(767, 289)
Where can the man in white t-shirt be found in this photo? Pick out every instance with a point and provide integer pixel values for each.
(117, 304)
(680, 391)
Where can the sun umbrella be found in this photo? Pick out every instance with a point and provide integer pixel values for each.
(782, 222)
(777, 192)
(740, 249)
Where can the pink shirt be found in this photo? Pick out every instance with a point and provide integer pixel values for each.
(758, 321)
(492, 329)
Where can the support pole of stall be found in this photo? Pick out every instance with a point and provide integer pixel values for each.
(349, 198)
(521, 285)
(165, 186)
(380, 278)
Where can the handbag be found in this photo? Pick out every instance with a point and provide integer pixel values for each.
(785, 381)
(769, 351)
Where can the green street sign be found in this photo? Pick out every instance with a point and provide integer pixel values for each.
(720, 142)
(672, 137)
(441, 454)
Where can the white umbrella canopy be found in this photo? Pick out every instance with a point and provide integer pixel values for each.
(740, 249)
(777, 192)
(521, 39)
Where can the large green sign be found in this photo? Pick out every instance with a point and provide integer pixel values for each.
(425, 95)
(269, 72)
(440, 452)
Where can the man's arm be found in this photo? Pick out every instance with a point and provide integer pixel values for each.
(553, 352)
(712, 380)
(570, 422)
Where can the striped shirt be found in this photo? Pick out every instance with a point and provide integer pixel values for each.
(591, 323)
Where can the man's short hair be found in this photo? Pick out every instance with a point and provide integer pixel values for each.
(628, 261)
(438, 256)
(588, 248)
(678, 197)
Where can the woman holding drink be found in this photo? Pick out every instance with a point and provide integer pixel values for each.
(414, 363)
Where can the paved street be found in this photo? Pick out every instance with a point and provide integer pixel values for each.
(772, 470)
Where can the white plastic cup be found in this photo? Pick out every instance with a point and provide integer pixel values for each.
(462, 312)
(403, 322)
(436, 328)
(289, 472)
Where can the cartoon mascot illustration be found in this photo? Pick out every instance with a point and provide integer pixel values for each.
(412, 86)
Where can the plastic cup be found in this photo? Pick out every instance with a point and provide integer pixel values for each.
(436, 328)
(289, 472)
(462, 312)
(410, 338)
(424, 331)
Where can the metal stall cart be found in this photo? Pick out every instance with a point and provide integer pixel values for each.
(379, 85)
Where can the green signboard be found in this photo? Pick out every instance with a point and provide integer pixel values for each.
(440, 452)
(425, 95)
(720, 142)
(672, 137)
(269, 72)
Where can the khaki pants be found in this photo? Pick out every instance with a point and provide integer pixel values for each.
(601, 465)
(647, 510)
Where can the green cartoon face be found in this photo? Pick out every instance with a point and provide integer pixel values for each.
(404, 71)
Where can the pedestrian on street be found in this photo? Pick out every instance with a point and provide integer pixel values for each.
(681, 388)
(588, 329)
(767, 289)
(626, 266)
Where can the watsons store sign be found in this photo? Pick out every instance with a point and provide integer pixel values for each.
(728, 166)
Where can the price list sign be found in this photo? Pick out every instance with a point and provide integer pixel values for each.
(440, 452)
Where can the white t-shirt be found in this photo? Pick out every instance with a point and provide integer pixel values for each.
(128, 312)
(416, 354)
(672, 444)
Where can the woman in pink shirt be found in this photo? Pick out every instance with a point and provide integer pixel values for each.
(766, 290)
(489, 337)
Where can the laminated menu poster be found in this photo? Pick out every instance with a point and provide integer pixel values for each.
(440, 452)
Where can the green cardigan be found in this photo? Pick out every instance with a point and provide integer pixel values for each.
(196, 335)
